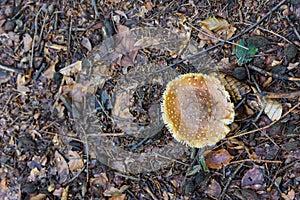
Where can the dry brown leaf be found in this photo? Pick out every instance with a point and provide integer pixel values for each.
(56, 46)
(3, 187)
(75, 162)
(273, 109)
(118, 197)
(215, 24)
(65, 193)
(38, 197)
(34, 173)
(86, 43)
(100, 180)
(21, 82)
(72, 68)
(276, 62)
(112, 191)
(214, 189)
(253, 179)
(293, 66)
(125, 46)
(289, 196)
(4, 76)
(218, 159)
(61, 167)
(216, 28)
(27, 41)
(51, 70)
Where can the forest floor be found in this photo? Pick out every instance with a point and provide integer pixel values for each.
(48, 50)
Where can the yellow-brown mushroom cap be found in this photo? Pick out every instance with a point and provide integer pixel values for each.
(196, 109)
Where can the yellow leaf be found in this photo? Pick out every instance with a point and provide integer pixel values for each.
(273, 109)
(214, 24)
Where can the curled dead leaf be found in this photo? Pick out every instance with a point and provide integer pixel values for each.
(75, 162)
(61, 167)
(214, 189)
(112, 191)
(217, 159)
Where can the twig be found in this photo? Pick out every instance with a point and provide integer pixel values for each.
(38, 73)
(41, 32)
(229, 181)
(268, 126)
(294, 28)
(266, 30)
(34, 35)
(69, 34)
(87, 148)
(11, 69)
(272, 95)
(255, 160)
(259, 22)
(72, 179)
(168, 158)
(277, 76)
(125, 176)
(63, 135)
(95, 8)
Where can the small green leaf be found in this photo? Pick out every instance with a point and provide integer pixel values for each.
(194, 170)
(243, 52)
(203, 163)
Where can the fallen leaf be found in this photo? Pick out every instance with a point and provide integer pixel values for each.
(38, 197)
(86, 43)
(21, 82)
(273, 110)
(72, 69)
(56, 46)
(100, 180)
(3, 189)
(289, 196)
(61, 167)
(253, 179)
(194, 170)
(118, 197)
(293, 66)
(218, 159)
(112, 191)
(27, 41)
(214, 24)
(34, 173)
(216, 28)
(75, 161)
(4, 76)
(125, 46)
(51, 70)
(214, 189)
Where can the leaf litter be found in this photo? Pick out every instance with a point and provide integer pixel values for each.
(26, 118)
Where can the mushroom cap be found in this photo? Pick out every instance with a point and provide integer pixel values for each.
(196, 109)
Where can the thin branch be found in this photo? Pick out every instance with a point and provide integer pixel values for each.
(268, 126)
(229, 181)
(277, 76)
(11, 69)
(34, 35)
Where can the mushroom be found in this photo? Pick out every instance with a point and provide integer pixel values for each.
(197, 109)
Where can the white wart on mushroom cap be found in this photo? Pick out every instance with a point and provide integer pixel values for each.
(196, 109)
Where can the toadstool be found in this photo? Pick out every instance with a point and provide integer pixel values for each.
(196, 109)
